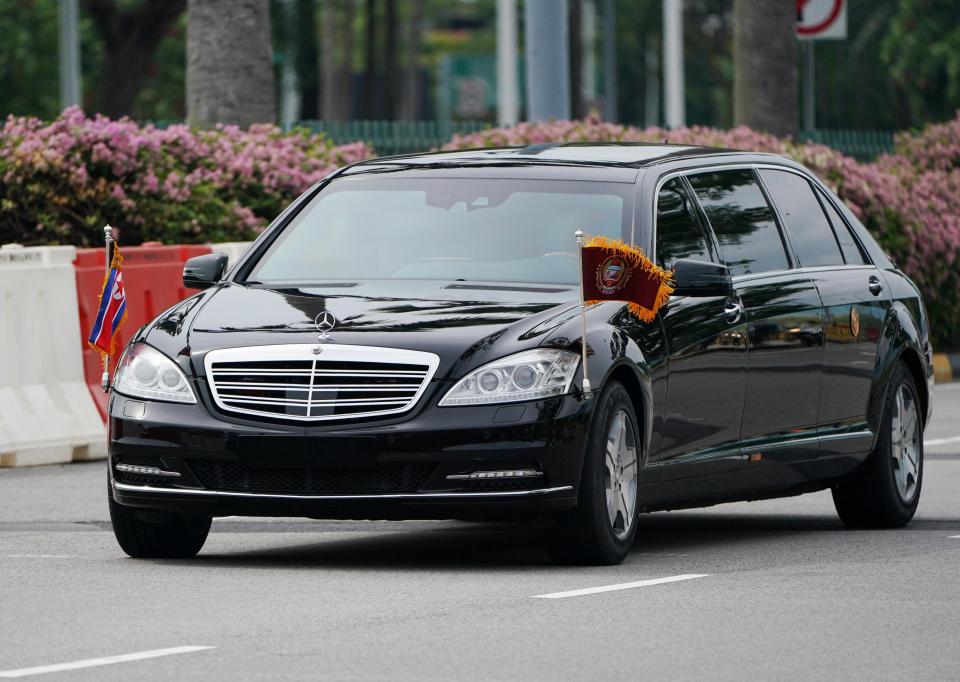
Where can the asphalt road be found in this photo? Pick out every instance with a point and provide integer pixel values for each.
(766, 590)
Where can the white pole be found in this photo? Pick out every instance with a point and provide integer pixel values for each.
(108, 260)
(71, 88)
(588, 87)
(810, 88)
(507, 97)
(289, 84)
(674, 96)
(548, 60)
(587, 391)
(610, 60)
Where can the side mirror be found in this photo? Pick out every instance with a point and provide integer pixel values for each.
(700, 278)
(202, 272)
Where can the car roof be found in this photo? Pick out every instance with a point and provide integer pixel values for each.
(584, 154)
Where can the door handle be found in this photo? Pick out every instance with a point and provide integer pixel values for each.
(733, 310)
(874, 285)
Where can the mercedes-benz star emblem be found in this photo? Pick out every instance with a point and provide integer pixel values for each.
(325, 321)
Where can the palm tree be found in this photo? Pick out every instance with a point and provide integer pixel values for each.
(229, 63)
(765, 93)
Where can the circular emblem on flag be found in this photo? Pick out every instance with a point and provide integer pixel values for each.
(612, 274)
(854, 322)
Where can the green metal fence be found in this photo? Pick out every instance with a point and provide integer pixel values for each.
(860, 144)
(394, 137)
(406, 137)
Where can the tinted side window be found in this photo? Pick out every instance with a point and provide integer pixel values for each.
(812, 234)
(851, 250)
(742, 221)
(679, 234)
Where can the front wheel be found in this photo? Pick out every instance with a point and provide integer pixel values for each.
(601, 529)
(157, 535)
(885, 491)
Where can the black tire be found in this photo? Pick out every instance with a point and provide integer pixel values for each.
(585, 535)
(870, 497)
(157, 535)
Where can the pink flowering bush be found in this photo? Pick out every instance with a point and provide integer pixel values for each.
(909, 200)
(60, 182)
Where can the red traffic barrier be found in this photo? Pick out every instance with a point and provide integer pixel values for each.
(153, 279)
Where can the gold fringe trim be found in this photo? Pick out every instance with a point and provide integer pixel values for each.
(638, 259)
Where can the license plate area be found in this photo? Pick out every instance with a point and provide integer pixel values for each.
(306, 451)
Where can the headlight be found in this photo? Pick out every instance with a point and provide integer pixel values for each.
(147, 373)
(525, 376)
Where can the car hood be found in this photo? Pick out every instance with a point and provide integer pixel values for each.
(466, 325)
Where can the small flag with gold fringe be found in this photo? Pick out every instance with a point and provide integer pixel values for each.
(616, 271)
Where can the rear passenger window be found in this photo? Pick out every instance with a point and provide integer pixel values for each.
(679, 234)
(805, 219)
(851, 250)
(742, 221)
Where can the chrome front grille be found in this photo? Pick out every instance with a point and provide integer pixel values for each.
(298, 382)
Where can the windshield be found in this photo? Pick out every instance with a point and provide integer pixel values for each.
(449, 228)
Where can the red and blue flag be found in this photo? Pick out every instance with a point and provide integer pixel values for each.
(113, 309)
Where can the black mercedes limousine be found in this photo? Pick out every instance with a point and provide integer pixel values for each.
(404, 341)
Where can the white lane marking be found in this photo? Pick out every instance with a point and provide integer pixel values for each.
(621, 586)
(955, 537)
(107, 660)
(940, 441)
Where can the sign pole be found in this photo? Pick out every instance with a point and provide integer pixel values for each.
(809, 88)
(587, 393)
(108, 258)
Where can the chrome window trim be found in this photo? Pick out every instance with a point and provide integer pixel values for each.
(305, 351)
(734, 165)
(336, 498)
(815, 268)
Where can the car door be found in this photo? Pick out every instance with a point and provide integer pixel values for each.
(697, 433)
(784, 326)
(855, 304)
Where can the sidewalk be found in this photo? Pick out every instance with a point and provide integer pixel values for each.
(946, 367)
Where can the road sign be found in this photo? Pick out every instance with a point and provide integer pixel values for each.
(821, 19)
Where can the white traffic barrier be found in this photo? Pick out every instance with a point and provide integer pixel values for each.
(233, 250)
(47, 414)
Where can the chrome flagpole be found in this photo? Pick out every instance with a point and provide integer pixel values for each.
(587, 393)
(108, 239)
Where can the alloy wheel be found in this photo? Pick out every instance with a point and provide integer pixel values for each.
(620, 474)
(905, 443)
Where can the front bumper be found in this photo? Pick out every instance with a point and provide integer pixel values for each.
(221, 466)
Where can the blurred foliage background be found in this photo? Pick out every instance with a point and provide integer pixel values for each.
(898, 69)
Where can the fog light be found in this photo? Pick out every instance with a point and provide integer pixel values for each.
(145, 471)
(506, 473)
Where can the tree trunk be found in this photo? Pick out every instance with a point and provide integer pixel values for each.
(391, 75)
(130, 37)
(229, 63)
(370, 63)
(575, 47)
(410, 93)
(765, 90)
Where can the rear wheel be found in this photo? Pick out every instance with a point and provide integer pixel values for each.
(157, 535)
(601, 529)
(885, 491)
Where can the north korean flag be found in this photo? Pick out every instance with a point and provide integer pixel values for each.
(113, 309)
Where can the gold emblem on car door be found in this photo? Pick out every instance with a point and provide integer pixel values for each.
(854, 322)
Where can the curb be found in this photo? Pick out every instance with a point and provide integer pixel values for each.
(946, 367)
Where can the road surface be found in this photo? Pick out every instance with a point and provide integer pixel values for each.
(762, 590)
